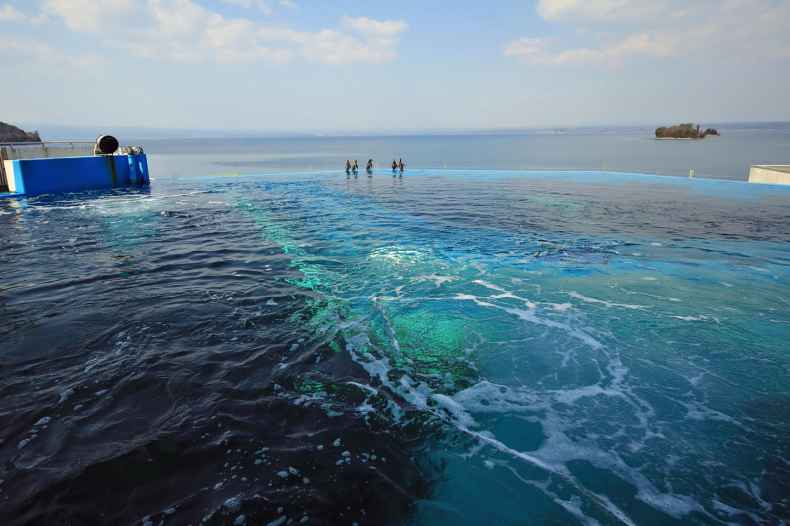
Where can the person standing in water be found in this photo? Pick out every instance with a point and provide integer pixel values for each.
(356, 166)
(400, 164)
(348, 165)
(369, 166)
(394, 165)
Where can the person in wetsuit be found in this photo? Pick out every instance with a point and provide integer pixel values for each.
(394, 165)
(348, 165)
(369, 166)
(356, 166)
(400, 164)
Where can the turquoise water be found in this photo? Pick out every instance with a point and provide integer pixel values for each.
(559, 347)
(628, 392)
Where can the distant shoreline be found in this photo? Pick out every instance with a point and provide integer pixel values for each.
(681, 138)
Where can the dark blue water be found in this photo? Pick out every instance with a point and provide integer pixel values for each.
(476, 347)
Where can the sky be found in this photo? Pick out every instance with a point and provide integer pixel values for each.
(346, 65)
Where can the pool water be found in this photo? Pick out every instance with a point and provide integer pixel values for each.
(460, 347)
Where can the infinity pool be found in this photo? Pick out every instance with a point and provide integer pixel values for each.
(464, 347)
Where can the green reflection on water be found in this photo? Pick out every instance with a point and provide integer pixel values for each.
(427, 340)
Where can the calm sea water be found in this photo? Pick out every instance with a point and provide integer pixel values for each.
(726, 157)
(469, 347)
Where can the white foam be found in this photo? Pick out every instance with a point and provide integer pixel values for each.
(576, 295)
(437, 280)
(691, 318)
(530, 316)
(320, 395)
(698, 411)
(367, 388)
(65, 395)
(557, 450)
(26, 441)
(456, 410)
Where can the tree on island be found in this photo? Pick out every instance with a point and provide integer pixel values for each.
(683, 131)
(10, 133)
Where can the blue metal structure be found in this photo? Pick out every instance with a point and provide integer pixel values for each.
(57, 166)
(39, 176)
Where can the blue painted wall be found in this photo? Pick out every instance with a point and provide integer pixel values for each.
(41, 176)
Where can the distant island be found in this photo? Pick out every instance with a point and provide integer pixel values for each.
(9, 133)
(683, 131)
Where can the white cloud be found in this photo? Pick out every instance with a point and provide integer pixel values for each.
(625, 30)
(182, 30)
(9, 14)
(526, 47)
(247, 4)
(28, 55)
(534, 51)
(288, 4)
(575, 11)
(381, 37)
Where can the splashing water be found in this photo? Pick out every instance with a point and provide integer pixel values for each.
(648, 389)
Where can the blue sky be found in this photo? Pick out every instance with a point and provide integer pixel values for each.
(361, 65)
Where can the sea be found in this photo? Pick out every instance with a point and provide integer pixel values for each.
(728, 156)
(289, 343)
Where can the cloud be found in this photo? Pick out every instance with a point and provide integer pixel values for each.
(182, 30)
(247, 4)
(28, 55)
(288, 4)
(527, 47)
(534, 51)
(574, 11)
(9, 14)
(628, 30)
(379, 36)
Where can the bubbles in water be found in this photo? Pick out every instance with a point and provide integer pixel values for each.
(232, 505)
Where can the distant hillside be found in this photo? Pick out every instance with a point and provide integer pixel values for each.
(9, 133)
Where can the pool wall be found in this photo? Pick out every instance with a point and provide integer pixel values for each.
(39, 176)
(769, 174)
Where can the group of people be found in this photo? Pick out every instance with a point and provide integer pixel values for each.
(369, 167)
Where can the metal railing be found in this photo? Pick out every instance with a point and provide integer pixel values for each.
(27, 146)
